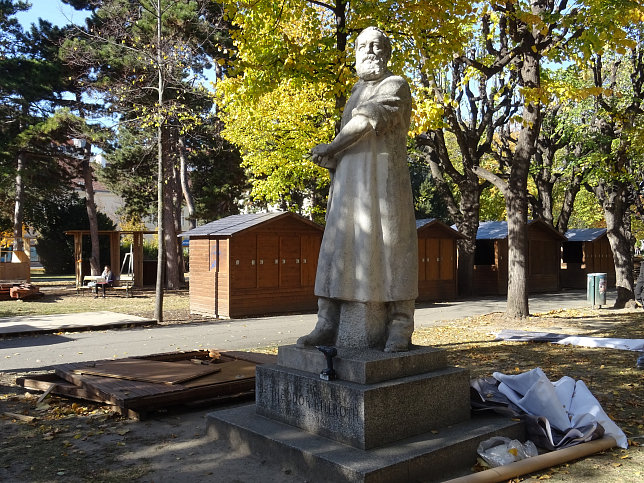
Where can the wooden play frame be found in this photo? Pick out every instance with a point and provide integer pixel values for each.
(115, 255)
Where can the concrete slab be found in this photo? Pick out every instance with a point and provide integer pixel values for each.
(432, 456)
(35, 324)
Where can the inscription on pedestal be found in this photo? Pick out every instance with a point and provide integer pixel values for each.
(292, 401)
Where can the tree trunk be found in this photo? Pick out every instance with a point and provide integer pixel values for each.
(171, 199)
(516, 201)
(18, 243)
(468, 227)
(158, 303)
(185, 186)
(517, 206)
(94, 260)
(569, 201)
(544, 181)
(619, 236)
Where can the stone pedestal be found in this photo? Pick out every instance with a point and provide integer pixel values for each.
(378, 398)
(388, 417)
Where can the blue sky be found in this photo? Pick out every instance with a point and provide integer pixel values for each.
(52, 10)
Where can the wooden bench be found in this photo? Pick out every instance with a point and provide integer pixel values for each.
(80, 289)
(126, 282)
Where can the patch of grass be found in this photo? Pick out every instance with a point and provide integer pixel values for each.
(64, 300)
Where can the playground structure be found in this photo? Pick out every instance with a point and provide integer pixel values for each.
(15, 264)
(132, 266)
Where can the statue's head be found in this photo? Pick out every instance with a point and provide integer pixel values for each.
(373, 51)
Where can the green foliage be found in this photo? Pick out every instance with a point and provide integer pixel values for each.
(55, 249)
(131, 171)
(122, 59)
(292, 70)
(428, 202)
(217, 179)
(276, 134)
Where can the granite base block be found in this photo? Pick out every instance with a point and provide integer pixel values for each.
(362, 325)
(365, 366)
(432, 456)
(363, 415)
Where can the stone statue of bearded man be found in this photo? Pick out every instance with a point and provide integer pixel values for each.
(367, 275)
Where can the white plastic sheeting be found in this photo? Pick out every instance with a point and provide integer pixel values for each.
(565, 339)
(611, 343)
(566, 403)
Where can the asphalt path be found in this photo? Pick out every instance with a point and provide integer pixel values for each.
(28, 353)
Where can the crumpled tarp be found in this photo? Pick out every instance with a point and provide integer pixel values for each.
(565, 339)
(557, 414)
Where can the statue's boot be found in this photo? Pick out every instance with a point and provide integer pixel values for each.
(400, 327)
(326, 328)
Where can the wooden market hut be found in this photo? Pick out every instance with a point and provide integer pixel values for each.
(586, 250)
(253, 264)
(114, 237)
(437, 269)
(491, 258)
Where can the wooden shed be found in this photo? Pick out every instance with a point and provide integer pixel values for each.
(253, 264)
(586, 250)
(437, 274)
(491, 258)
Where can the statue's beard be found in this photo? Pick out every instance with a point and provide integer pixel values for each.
(371, 67)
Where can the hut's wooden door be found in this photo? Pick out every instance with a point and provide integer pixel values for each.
(290, 262)
(446, 264)
(243, 262)
(436, 257)
(268, 261)
(433, 256)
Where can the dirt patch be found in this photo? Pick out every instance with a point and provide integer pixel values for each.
(76, 441)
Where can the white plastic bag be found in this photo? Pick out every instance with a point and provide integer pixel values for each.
(499, 451)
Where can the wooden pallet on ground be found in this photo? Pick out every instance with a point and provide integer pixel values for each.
(192, 378)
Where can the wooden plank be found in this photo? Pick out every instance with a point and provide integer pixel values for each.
(58, 386)
(229, 371)
(136, 398)
(158, 372)
(111, 390)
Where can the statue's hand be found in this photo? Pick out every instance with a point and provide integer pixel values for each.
(322, 155)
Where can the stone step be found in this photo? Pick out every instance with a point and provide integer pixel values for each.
(431, 456)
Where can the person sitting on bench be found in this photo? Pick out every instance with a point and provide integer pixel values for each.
(107, 279)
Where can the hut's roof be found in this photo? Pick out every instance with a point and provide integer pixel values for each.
(498, 230)
(492, 230)
(423, 222)
(231, 224)
(584, 234)
(234, 224)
